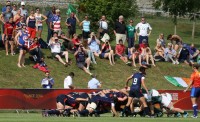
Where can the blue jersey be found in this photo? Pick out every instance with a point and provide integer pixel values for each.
(137, 80)
(23, 38)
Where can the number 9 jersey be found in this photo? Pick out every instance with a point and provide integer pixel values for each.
(137, 80)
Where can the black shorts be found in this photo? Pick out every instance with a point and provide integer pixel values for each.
(86, 35)
(135, 93)
(61, 98)
(81, 65)
(9, 38)
(60, 54)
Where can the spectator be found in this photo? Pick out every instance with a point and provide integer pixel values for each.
(86, 27)
(8, 3)
(193, 52)
(175, 40)
(68, 83)
(161, 40)
(184, 55)
(47, 82)
(170, 54)
(120, 30)
(17, 16)
(198, 58)
(9, 33)
(107, 52)
(93, 44)
(35, 50)
(131, 35)
(22, 40)
(56, 51)
(94, 83)
(24, 12)
(120, 52)
(49, 16)
(20, 23)
(14, 9)
(39, 22)
(103, 27)
(81, 59)
(31, 23)
(143, 30)
(135, 54)
(55, 23)
(71, 24)
(76, 42)
(146, 52)
(67, 42)
(89, 52)
(159, 50)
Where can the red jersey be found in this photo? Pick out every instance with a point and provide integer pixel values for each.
(120, 49)
(75, 41)
(34, 45)
(195, 77)
(106, 47)
(10, 27)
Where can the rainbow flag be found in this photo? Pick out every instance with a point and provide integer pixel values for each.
(178, 81)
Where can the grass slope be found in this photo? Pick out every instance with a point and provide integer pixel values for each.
(111, 76)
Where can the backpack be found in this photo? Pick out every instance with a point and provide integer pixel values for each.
(43, 44)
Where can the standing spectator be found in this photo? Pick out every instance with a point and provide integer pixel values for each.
(175, 40)
(9, 33)
(161, 40)
(17, 16)
(81, 59)
(86, 27)
(71, 24)
(22, 39)
(93, 44)
(14, 9)
(39, 21)
(55, 23)
(131, 35)
(195, 91)
(68, 83)
(120, 30)
(103, 26)
(31, 22)
(56, 51)
(120, 52)
(49, 16)
(24, 11)
(144, 29)
(47, 82)
(94, 83)
(170, 54)
(8, 3)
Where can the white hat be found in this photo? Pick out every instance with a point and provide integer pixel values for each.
(105, 37)
(22, 3)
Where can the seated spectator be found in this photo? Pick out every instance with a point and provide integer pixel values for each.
(120, 52)
(89, 52)
(184, 55)
(198, 58)
(134, 54)
(161, 40)
(193, 52)
(175, 40)
(159, 50)
(170, 54)
(94, 83)
(81, 59)
(93, 44)
(76, 42)
(35, 51)
(146, 54)
(67, 42)
(56, 51)
(48, 81)
(68, 83)
(107, 52)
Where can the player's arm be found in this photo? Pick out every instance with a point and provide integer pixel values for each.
(190, 84)
(127, 80)
(144, 86)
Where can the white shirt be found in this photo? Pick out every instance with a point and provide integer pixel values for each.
(103, 24)
(55, 47)
(143, 28)
(93, 83)
(67, 82)
(24, 12)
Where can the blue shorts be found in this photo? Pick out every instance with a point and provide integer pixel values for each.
(143, 37)
(40, 28)
(195, 92)
(130, 42)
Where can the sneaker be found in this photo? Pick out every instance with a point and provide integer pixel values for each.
(177, 62)
(177, 115)
(174, 62)
(185, 115)
(194, 116)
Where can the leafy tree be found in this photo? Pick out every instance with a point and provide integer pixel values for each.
(111, 8)
(174, 7)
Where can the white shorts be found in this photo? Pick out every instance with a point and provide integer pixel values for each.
(165, 101)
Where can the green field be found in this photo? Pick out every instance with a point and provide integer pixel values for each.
(35, 117)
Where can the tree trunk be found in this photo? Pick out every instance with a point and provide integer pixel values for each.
(193, 27)
(175, 29)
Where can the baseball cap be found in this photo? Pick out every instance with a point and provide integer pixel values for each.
(22, 3)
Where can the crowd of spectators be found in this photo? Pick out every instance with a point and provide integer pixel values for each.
(23, 31)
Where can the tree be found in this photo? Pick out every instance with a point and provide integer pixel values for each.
(174, 7)
(111, 8)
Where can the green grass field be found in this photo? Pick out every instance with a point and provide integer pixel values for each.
(35, 117)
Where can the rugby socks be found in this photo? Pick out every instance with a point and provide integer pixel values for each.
(195, 108)
(146, 111)
(54, 112)
(84, 112)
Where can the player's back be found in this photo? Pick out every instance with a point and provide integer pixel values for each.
(137, 79)
(196, 79)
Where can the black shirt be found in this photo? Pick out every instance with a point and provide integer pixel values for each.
(120, 27)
